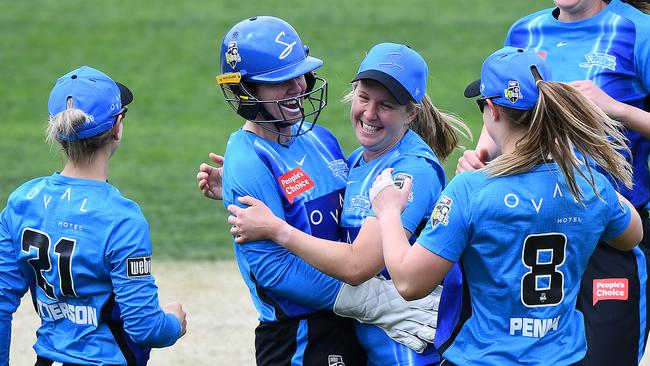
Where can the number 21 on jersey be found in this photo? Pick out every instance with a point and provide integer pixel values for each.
(40, 242)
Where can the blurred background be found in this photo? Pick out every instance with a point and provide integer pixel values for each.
(167, 52)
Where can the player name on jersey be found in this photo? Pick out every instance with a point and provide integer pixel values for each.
(532, 327)
(78, 314)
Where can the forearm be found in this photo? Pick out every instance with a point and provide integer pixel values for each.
(352, 264)
(633, 118)
(395, 246)
(144, 319)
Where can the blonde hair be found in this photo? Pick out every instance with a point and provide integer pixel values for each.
(438, 129)
(642, 5)
(64, 124)
(563, 122)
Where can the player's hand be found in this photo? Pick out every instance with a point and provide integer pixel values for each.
(255, 222)
(386, 196)
(591, 91)
(472, 160)
(210, 177)
(176, 309)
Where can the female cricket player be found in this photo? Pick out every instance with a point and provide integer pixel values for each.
(524, 226)
(282, 158)
(397, 126)
(80, 247)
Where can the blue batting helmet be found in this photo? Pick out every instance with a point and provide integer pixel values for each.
(267, 49)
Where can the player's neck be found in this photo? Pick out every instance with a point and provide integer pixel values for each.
(579, 12)
(97, 169)
(267, 131)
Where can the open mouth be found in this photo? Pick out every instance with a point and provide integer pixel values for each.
(291, 105)
(368, 128)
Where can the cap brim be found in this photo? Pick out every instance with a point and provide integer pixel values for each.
(125, 94)
(289, 72)
(473, 89)
(393, 86)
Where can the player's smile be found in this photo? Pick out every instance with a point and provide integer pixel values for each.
(379, 120)
(289, 97)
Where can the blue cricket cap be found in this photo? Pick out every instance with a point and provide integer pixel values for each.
(93, 92)
(507, 78)
(398, 68)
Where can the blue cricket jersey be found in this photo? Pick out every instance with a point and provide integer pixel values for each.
(617, 61)
(302, 182)
(524, 243)
(411, 157)
(84, 252)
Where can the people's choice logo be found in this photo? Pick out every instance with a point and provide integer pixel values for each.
(295, 182)
(610, 289)
(288, 46)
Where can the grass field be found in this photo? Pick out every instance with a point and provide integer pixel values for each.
(167, 52)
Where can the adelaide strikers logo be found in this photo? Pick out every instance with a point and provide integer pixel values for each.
(513, 91)
(232, 55)
(399, 182)
(440, 213)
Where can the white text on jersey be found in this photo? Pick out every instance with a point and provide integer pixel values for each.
(532, 327)
(82, 315)
(47, 199)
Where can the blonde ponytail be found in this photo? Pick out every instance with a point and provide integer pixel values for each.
(564, 122)
(439, 130)
(64, 124)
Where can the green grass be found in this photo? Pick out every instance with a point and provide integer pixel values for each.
(167, 52)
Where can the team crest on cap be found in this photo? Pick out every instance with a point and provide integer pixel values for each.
(513, 91)
(392, 60)
(440, 213)
(232, 55)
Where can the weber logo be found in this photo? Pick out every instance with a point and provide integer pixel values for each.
(138, 267)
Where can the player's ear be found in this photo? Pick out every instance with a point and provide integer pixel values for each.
(117, 129)
(494, 110)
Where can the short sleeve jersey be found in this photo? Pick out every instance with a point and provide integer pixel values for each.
(524, 243)
(84, 252)
(616, 60)
(412, 158)
(302, 182)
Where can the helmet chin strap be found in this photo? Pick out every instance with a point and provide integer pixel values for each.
(278, 125)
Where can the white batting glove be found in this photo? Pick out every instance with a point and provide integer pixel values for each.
(377, 302)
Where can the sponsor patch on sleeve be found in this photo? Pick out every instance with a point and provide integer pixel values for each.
(440, 213)
(399, 182)
(138, 267)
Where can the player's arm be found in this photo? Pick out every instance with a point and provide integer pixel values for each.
(632, 117)
(12, 286)
(275, 268)
(415, 271)
(128, 257)
(352, 264)
(632, 233)
(486, 150)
